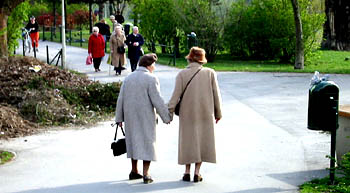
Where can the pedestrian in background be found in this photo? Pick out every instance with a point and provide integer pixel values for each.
(134, 42)
(114, 22)
(117, 46)
(34, 33)
(200, 108)
(96, 48)
(104, 29)
(138, 101)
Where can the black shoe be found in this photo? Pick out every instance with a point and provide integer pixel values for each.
(134, 176)
(186, 177)
(147, 179)
(197, 178)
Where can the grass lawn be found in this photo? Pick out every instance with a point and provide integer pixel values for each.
(5, 156)
(325, 61)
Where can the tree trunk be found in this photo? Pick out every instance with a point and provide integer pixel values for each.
(336, 28)
(3, 33)
(299, 46)
(101, 7)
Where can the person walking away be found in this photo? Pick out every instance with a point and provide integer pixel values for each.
(119, 17)
(134, 42)
(200, 108)
(116, 42)
(103, 29)
(96, 48)
(34, 33)
(138, 101)
(114, 22)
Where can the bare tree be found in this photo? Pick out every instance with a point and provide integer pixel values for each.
(299, 46)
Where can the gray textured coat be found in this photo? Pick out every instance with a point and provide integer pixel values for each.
(139, 100)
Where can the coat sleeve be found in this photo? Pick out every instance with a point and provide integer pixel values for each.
(217, 96)
(157, 100)
(142, 41)
(119, 112)
(176, 94)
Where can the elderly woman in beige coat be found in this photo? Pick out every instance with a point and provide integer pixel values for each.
(118, 59)
(200, 108)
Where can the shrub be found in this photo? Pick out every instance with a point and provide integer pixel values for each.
(264, 29)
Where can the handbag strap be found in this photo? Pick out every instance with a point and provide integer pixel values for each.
(115, 135)
(183, 92)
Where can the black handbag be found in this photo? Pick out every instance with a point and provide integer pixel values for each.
(118, 147)
(177, 107)
(121, 49)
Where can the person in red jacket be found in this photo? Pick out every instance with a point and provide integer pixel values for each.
(96, 48)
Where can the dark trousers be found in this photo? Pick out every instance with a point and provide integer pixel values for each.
(133, 63)
(119, 69)
(97, 62)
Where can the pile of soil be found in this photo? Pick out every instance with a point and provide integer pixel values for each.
(20, 83)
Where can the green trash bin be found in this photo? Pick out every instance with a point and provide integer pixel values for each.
(323, 106)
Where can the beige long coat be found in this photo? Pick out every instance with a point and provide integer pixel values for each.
(116, 41)
(200, 105)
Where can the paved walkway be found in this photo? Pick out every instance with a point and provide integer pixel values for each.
(262, 142)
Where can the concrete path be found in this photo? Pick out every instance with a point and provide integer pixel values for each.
(263, 144)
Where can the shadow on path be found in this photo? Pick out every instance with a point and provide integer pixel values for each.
(113, 187)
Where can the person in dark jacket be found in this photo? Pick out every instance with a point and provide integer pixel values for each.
(34, 33)
(96, 48)
(134, 42)
(104, 29)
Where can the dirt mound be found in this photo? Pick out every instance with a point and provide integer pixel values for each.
(13, 125)
(27, 84)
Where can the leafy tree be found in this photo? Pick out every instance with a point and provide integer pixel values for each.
(158, 22)
(15, 23)
(206, 18)
(6, 7)
(265, 29)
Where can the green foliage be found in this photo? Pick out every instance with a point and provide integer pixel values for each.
(265, 29)
(15, 23)
(39, 8)
(344, 167)
(48, 104)
(206, 19)
(158, 21)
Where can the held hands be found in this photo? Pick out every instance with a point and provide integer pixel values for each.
(136, 44)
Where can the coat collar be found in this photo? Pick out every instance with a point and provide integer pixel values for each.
(142, 69)
(194, 65)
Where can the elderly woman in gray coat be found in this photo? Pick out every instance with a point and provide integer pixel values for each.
(139, 100)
